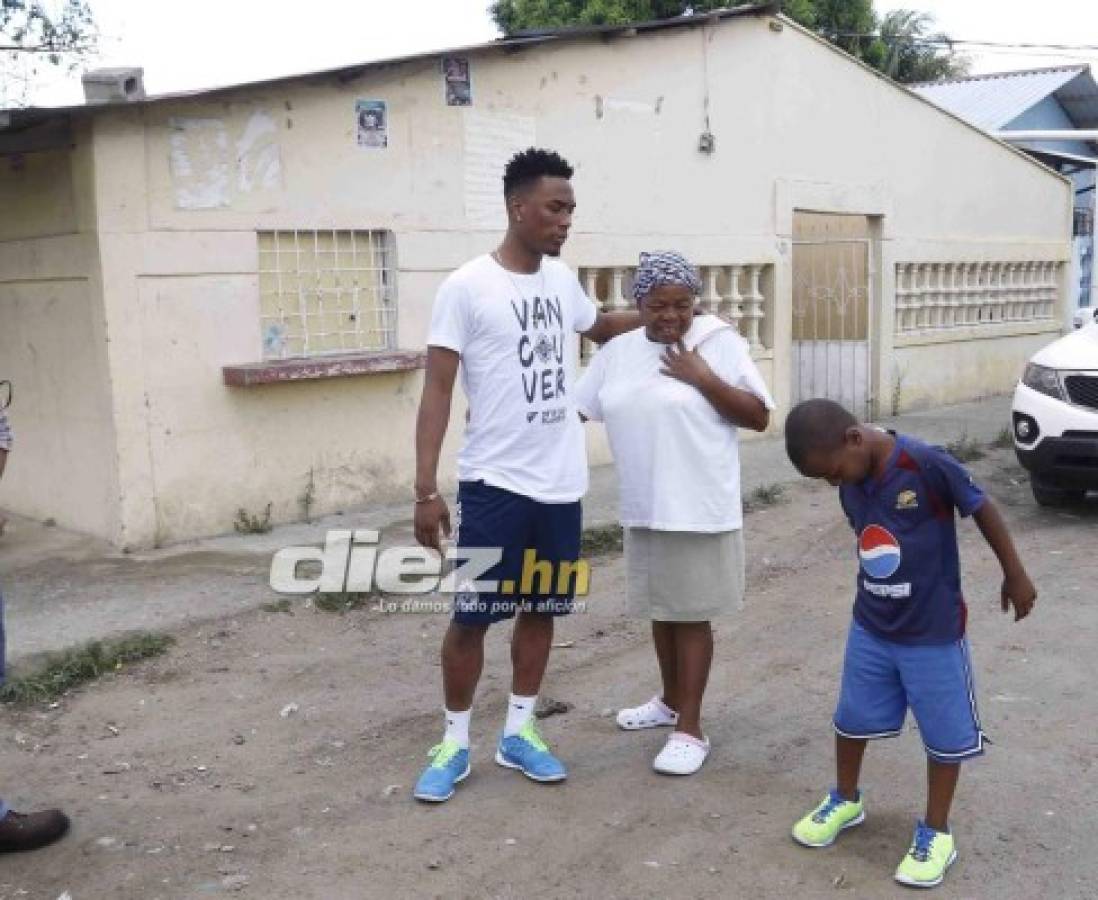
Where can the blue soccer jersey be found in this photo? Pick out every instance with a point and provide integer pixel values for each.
(909, 578)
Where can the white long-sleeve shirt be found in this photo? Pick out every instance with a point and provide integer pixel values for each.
(6, 437)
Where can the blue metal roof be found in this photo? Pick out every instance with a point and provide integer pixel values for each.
(994, 101)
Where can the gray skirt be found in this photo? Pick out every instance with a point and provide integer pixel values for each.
(683, 576)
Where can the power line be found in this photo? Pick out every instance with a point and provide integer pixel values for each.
(945, 41)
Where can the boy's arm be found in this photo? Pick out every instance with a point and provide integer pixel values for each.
(1017, 588)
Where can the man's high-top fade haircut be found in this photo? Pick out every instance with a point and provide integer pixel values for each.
(815, 426)
(528, 166)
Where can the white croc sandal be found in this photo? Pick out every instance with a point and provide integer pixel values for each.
(683, 754)
(653, 714)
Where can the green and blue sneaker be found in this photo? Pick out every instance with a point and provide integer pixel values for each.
(449, 765)
(821, 826)
(931, 853)
(528, 752)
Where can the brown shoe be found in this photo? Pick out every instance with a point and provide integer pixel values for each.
(29, 831)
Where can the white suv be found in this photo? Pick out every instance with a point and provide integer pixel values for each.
(1055, 417)
(1083, 315)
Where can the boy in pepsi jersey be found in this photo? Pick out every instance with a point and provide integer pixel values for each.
(907, 646)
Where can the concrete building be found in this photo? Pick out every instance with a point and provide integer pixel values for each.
(219, 301)
(1048, 114)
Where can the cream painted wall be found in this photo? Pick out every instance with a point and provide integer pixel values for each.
(53, 346)
(37, 196)
(940, 372)
(183, 186)
(215, 450)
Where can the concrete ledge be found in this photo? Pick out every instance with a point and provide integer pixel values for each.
(342, 365)
(988, 331)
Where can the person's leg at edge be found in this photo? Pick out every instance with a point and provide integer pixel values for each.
(848, 765)
(941, 785)
(694, 656)
(663, 637)
(26, 831)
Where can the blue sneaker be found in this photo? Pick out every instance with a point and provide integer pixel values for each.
(449, 765)
(528, 752)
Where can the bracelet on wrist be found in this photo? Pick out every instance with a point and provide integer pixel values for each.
(431, 496)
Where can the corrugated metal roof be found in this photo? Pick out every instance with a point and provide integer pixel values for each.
(1080, 98)
(1042, 153)
(993, 101)
(22, 120)
(24, 117)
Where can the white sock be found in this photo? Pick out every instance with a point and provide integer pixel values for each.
(457, 727)
(519, 710)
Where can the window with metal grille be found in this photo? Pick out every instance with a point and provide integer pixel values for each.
(323, 292)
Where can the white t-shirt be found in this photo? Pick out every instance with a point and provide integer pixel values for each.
(678, 460)
(516, 335)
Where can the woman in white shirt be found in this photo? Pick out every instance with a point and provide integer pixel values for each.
(673, 394)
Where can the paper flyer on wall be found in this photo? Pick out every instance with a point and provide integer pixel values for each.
(456, 77)
(372, 119)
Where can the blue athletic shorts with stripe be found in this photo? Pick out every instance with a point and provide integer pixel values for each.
(491, 517)
(882, 679)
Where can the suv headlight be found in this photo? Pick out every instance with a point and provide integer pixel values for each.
(1043, 380)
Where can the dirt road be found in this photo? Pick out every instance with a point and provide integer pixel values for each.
(272, 754)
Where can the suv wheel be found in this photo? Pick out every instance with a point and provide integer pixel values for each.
(1050, 495)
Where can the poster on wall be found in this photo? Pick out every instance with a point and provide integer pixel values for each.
(455, 76)
(372, 121)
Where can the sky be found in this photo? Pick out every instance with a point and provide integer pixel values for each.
(188, 44)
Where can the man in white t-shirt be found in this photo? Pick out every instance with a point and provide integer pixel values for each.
(510, 318)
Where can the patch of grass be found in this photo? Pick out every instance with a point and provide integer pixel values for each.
(965, 449)
(341, 601)
(599, 540)
(1004, 439)
(58, 673)
(246, 523)
(763, 496)
(277, 606)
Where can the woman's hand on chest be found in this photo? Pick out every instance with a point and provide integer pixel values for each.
(686, 366)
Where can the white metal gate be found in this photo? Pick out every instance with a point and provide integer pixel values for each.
(832, 312)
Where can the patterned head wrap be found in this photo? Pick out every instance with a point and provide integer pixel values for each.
(664, 267)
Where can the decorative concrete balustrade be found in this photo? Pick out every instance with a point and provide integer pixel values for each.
(741, 293)
(932, 296)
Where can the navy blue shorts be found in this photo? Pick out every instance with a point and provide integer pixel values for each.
(882, 679)
(540, 544)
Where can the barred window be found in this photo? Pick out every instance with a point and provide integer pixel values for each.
(324, 292)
